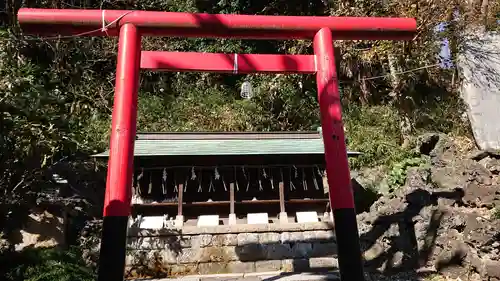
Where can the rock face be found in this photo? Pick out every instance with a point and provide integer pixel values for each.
(41, 229)
(442, 218)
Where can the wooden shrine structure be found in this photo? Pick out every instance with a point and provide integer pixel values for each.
(185, 176)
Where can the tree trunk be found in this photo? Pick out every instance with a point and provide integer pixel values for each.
(405, 122)
(484, 12)
(393, 70)
(365, 92)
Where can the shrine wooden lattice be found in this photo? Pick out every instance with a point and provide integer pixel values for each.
(131, 26)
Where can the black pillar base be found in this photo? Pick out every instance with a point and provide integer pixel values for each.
(349, 250)
(113, 249)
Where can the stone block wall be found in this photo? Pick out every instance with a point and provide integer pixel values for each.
(235, 249)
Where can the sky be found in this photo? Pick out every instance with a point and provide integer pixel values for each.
(444, 55)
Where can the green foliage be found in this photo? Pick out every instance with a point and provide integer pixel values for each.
(56, 95)
(278, 105)
(375, 132)
(45, 264)
(398, 172)
(496, 213)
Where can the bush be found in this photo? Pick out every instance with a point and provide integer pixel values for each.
(45, 264)
(496, 213)
(398, 173)
(374, 131)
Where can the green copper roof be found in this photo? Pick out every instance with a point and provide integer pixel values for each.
(196, 144)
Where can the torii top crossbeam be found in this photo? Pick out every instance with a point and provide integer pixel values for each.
(91, 22)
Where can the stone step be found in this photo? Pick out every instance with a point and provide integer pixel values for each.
(263, 276)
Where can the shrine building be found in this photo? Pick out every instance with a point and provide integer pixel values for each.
(188, 185)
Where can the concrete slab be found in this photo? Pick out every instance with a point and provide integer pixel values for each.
(303, 217)
(208, 220)
(152, 222)
(232, 219)
(179, 221)
(283, 218)
(258, 218)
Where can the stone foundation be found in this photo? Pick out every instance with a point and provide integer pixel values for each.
(231, 249)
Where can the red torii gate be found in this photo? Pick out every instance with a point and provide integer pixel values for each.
(130, 26)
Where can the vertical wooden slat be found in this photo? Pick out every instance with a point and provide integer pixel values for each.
(282, 197)
(231, 198)
(180, 202)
